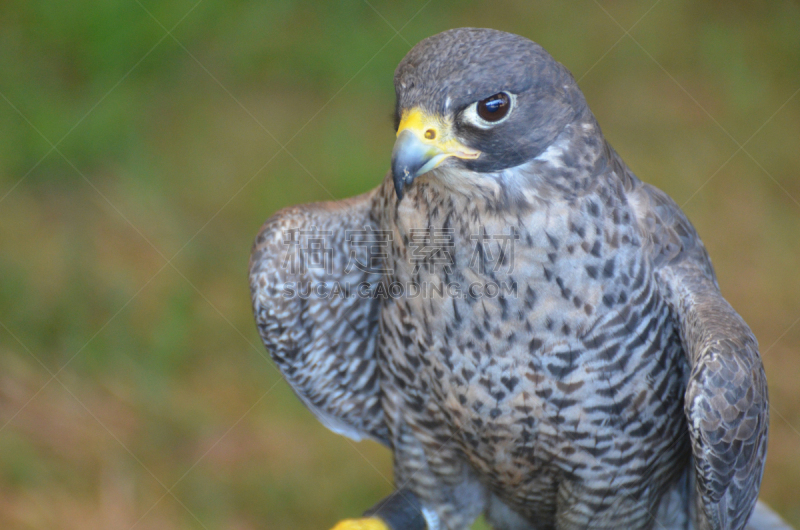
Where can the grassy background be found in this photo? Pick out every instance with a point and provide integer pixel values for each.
(141, 148)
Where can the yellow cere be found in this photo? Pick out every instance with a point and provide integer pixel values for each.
(435, 131)
(418, 121)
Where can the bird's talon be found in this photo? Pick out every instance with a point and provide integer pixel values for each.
(367, 523)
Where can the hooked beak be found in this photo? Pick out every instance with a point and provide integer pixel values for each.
(423, 142)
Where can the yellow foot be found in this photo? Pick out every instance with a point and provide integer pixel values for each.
(367, 523)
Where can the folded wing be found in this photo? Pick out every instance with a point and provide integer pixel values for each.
(726, 400)
(312, 270)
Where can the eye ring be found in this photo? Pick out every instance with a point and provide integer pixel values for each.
(495, 107)
(489, 112)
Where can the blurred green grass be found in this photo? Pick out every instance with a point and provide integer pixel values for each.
(124, 248)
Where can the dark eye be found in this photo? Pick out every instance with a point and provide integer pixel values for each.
(494, 108)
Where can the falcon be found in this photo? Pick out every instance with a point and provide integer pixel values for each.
(535, 333)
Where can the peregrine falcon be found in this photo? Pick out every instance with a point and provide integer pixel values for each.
(535, 333)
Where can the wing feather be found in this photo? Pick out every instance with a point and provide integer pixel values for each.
(309, 271)
(726, 401)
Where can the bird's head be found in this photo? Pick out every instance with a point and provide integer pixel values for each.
(481, 100)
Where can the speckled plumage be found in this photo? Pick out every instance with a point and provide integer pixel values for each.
(611, 386)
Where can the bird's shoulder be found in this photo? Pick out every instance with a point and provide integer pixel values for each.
(668, 237)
